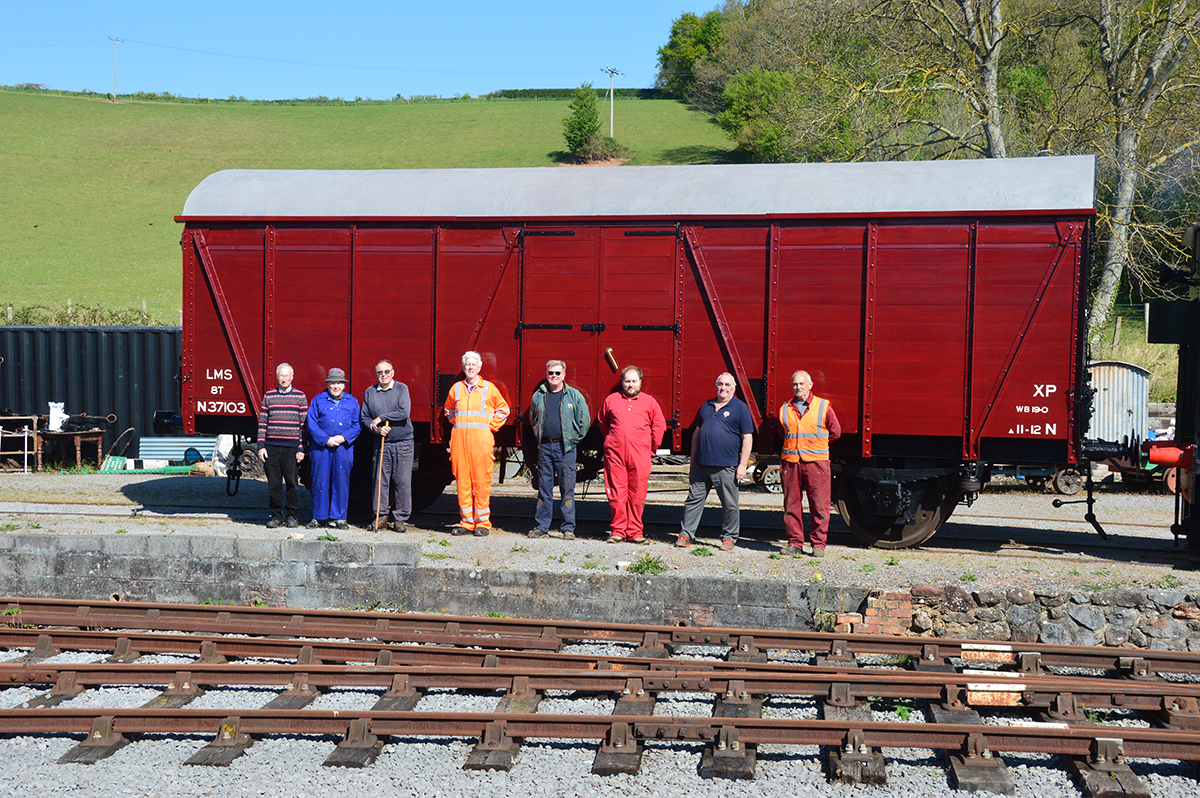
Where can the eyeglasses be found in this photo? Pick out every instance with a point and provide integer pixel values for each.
(383, 371)
(553, 373)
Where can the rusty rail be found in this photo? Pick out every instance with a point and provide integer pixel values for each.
(1064, 696)
(1075, 740)
(548, 635)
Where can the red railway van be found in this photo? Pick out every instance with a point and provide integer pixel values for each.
(937, 305)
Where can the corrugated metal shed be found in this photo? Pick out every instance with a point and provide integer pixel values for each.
(975, 185)
(125, 371)
(1121, 407)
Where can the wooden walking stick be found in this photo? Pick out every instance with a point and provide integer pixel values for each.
(383, 433)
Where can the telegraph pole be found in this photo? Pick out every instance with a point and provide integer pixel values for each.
(612, 73)
(115, 43)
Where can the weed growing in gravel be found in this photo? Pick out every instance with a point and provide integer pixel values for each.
(445, 542)
(519, 549)
(1102, 572)
(590, 562)
(968, 577)
(494, 614)
(849, 557)
(120, 531)
(1168, 582)
(437, 555)
(868, 568)
(702, 551)
(775, 556)
(649, 564)
(10, 527)
(902, 711)
(328, 536)
(35, 526)
(893, 560)
(1074, 572)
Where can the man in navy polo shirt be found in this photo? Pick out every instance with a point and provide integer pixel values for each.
(721, 443)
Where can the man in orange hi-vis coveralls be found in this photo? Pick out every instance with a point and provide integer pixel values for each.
(633, 427)
(477, 409)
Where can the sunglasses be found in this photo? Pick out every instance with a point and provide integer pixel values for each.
(384, 371)
(553, 373)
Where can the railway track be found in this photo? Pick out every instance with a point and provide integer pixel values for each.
(981, 701)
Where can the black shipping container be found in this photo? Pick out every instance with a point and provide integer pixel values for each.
(129, 372)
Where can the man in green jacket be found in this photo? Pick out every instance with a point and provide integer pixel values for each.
(560, 418)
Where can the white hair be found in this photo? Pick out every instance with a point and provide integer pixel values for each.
(471, 355)
(282, 366)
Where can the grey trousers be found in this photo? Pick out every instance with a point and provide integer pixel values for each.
(396, 482)
(703, 479)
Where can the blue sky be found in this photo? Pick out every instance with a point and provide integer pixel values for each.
(275, 50)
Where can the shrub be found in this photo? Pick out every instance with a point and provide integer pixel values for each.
(582, 125)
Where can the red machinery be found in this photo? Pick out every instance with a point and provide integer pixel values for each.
(938, 305)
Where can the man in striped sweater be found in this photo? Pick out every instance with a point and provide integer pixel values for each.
(280, 426)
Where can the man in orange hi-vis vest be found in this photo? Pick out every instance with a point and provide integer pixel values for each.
(809, 426)
(477, 409)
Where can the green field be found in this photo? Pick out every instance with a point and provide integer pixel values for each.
(91, 188)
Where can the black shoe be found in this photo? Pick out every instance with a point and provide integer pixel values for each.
(292, 523)
(399, 526)
(480, 532)
(339, 524)
(314, 524)
(274, 523)
(459, 531)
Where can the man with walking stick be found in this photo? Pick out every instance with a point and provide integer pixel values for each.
(385, 410)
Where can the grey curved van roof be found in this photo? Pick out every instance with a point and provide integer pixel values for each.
(1051, 184)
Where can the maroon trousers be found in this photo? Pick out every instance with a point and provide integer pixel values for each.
(814, 480)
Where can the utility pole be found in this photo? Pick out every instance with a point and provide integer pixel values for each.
(115, 43)
(612, 73)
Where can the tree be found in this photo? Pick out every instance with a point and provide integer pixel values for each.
(756, 112)
(582, 125)
(1139, 45)
(959, 45)
(692, 39)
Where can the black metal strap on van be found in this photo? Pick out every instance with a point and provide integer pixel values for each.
(548, 232)
(652, 232)
(675, 328)
(521, 326)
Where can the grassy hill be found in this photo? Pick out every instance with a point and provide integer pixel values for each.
(90, 188)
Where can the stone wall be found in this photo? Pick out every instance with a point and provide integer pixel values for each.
(388, 574)
(1121, 616)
